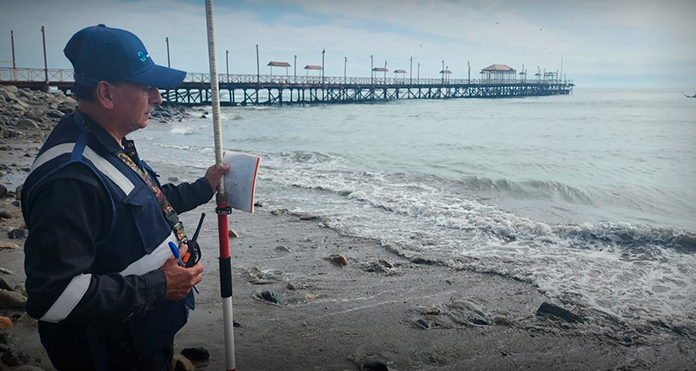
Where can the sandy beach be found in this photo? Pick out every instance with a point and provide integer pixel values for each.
(397, 310)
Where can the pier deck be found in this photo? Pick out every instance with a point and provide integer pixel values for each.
(277, 90)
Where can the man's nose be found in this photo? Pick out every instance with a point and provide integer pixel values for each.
(155, 96)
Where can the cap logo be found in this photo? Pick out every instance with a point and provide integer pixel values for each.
(142, 56)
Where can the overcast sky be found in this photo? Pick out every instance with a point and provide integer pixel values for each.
(607, 43)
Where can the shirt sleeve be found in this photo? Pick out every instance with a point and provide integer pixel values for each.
(188, 196)
(68, 213)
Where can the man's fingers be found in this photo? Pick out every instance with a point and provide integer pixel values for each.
(197, 279)
(197, 269)
(183, 249)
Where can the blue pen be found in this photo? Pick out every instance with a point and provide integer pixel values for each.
(175, 251)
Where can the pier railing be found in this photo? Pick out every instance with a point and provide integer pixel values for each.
(38, 75)
(195, 77)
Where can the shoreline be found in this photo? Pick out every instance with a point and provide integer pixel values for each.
(381, 304)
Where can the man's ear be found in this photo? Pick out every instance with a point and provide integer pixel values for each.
(105, 94)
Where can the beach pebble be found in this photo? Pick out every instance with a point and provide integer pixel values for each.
(8, 245)
(173, 179)
(310, 296)
(66, 107)
(236, 324)
(27, 124)
(259, 204)
(197, 354)
(233, 234)
(21, 289)
(12, 300)
(18, 192)
(256, 272)
(4, 348)
(6, 271)
(3, 191)
(338, 259)
(373, 363)
(422, 324)
(16, 203)
(5, 322)
(465, 312)
(54, 113)
(435, 311)
(272, 297)
(4, 285)
(503, 321)
(283, 248)
(7, 338)
(28, 368)
(558, 312)
(380, 266)
(5, 214)
(181, 363)
(14, 358)
(18, 233)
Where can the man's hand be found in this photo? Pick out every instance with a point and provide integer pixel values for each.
(213, 174)
(180, 280)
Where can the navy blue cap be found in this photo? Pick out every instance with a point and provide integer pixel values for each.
(101, 53)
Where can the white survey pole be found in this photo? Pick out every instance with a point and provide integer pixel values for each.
(222, 209)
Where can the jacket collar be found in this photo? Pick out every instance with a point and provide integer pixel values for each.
(98, 132)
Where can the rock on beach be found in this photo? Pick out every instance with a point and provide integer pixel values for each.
(12, 300)
(555, 311)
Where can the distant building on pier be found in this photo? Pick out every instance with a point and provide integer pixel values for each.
(498, 72)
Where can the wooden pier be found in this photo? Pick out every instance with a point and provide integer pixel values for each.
(259, 89)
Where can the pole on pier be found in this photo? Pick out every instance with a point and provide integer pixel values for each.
(323, 51)
(418, 76)
(561, 75)
(524, 74)
(372, 70)
(345, 66)
(222, 209)
(410, 72)
(258, 66)
(43, 34)
(227, 64)
(14, 62)
(385, 72)
(295, 69)
(168, 62)
(468, 66)
(443, 72)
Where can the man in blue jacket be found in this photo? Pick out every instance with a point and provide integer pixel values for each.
(100, 273)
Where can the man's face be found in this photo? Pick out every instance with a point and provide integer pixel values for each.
(133, 104)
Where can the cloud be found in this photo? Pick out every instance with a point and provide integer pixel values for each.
(622, 38)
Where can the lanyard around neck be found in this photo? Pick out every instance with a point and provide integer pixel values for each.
(169, 212)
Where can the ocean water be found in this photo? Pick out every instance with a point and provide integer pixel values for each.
(591, 197)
